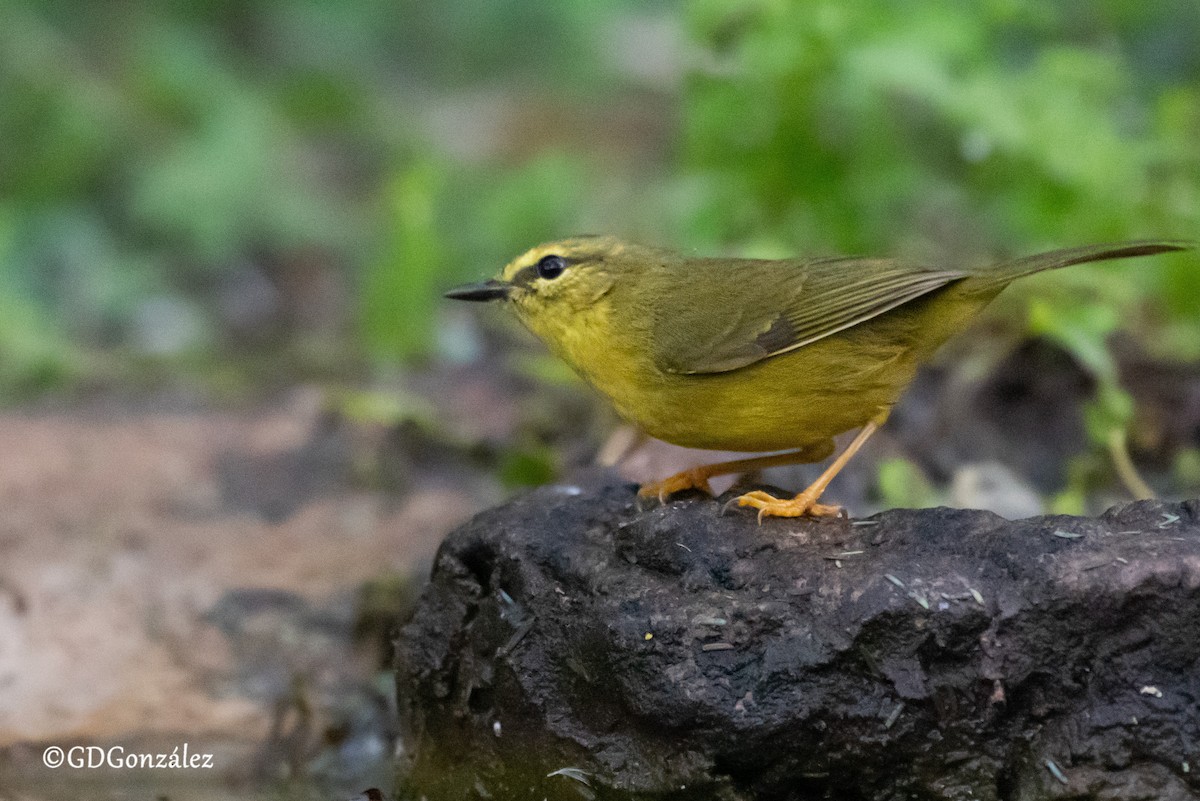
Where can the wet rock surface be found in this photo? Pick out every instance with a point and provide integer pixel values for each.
(571, 645)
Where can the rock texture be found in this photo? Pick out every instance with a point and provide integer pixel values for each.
(573, 646)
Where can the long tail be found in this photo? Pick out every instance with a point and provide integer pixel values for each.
(1002, 274)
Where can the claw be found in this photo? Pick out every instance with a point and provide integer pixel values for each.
(725, 506)
(664, 489)
(804, 504)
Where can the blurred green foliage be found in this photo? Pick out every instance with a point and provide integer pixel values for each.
(901, 484)
(176, 153)
(998, 126)
(167, 150)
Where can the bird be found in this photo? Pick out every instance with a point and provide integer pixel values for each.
(753, 355)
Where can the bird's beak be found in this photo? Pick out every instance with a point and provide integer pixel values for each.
(485, 290)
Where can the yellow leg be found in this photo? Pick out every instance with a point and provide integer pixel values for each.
(697, 477)
(806, 502)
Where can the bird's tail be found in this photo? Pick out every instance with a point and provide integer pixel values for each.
(1001, 274)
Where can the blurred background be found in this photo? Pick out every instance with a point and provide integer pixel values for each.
(238, 418)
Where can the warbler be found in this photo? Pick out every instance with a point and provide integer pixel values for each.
(753, 354)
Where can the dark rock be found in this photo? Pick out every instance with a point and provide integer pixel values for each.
(570, 646)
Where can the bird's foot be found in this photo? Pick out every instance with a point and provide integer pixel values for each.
(804, 504)
(696, 478)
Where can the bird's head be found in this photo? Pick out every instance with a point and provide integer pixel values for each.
(558, 287)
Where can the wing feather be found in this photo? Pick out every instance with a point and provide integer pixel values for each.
(757, 310)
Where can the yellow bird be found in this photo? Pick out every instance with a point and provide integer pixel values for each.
(753, 354)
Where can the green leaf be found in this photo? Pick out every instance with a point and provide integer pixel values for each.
(399, 287)
(902, 484)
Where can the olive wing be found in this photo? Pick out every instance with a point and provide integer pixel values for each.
(734, 314)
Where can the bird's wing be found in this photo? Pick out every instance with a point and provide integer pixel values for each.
(738, 313)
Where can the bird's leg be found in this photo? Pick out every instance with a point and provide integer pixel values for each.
(806, 502)
(697, 477)
(622, 442)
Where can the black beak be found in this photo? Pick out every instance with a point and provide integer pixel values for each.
(487, 290)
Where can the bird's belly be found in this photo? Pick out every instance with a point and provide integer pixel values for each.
(784, 402)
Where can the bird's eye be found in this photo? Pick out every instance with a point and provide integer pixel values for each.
(551, 267)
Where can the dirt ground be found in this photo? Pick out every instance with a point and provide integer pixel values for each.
(142, 599)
